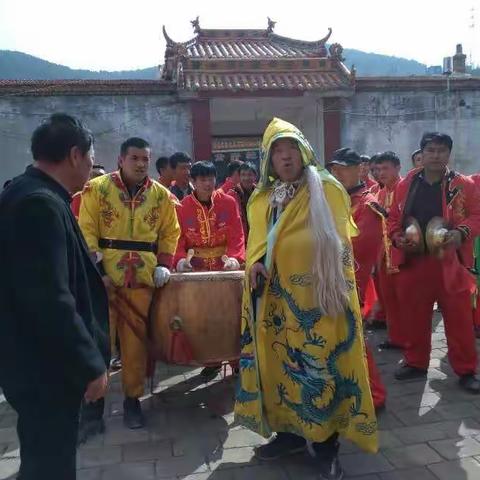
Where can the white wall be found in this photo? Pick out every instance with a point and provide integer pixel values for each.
(161, 120)
(374, 122)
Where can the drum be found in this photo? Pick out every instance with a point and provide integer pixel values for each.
(195, 318)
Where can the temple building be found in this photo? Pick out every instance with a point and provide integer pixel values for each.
(237, 80)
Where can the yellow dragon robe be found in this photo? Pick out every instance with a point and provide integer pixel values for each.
(300, 371)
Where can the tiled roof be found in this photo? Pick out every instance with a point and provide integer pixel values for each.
(248, 60)
(84, 87)
(199, 81)
(266, 46)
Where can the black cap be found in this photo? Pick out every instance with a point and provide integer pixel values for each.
(346, 157)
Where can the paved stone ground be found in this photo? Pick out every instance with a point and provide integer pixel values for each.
(429, 431)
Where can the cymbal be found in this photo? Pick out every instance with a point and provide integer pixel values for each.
(414, 234)
(435, 233)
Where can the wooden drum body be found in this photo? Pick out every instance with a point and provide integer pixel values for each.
(204, 310)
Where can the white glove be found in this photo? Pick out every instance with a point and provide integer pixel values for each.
(231, 263)
(184, 265)
(161, 276)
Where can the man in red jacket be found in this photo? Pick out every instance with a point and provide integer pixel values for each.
(368, 216)
(436, 191)
(210, 226)
(388, 168)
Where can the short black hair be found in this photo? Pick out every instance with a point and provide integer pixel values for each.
(387, 156)
(97, 166)
(248, 167)
(234, 167)
(365, 158)
(179, 157)
(57, 135)
(373, 158)
(415, 153)
(162, 162)
(136, 142)
(436, 137)
(203, 168)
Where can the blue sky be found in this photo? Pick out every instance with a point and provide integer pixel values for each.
(115, 35)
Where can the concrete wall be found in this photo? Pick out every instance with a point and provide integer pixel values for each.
(250, 116)
(376, 121)
(160, 119)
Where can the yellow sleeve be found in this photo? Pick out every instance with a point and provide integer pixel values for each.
(340, 206)
(88, 218)
(168, 230)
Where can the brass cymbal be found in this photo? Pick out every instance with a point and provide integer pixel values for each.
(435, 233)
(414, 234)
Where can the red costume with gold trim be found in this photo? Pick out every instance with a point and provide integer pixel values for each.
(211, 231)
(387, 288)
(368, 217)
(75, 204)
(424, 279)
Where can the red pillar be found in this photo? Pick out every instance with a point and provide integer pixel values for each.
(201, 130)
(331, 126)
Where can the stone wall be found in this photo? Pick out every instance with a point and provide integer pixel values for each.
(161, 119)
(395, 120)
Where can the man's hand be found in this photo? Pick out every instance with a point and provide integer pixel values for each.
(257, 269)
(184, 265)
(107, 282)
(403, 243)
(161, 275)
(231, 263)
(97, 388)
(453, 238)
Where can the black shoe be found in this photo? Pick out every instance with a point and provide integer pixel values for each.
(387, 345)
(326, 459)
(283, 445)
(470, 383)
(377, 325)
(132, 413)
(88, 429)
(406, 372)
(209, 373)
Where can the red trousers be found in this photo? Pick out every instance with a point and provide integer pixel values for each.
(376, 385)
(379, 393)
(389, 292)
(420, 284)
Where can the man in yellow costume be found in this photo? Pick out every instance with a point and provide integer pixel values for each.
(303, 365)
(129, 221)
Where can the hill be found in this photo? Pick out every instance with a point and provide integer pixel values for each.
(18, 65)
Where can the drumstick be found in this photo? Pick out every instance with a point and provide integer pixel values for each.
(190, 254)
(224, 259)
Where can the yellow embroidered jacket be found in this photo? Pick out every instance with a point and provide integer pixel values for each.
(134, 233)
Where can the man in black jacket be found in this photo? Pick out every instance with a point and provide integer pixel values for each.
(53, 307)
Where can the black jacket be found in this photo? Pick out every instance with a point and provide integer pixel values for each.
(53, 305)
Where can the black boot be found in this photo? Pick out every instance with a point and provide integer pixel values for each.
(470, 383)
(132, 413)
(209, 373)
(326, 459)
(91, 421)
(283, 445)
(407, 372)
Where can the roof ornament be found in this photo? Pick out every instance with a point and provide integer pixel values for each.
(196, 24)
(271, 25)
(170, 42)
(326, 37)
(336, 52)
